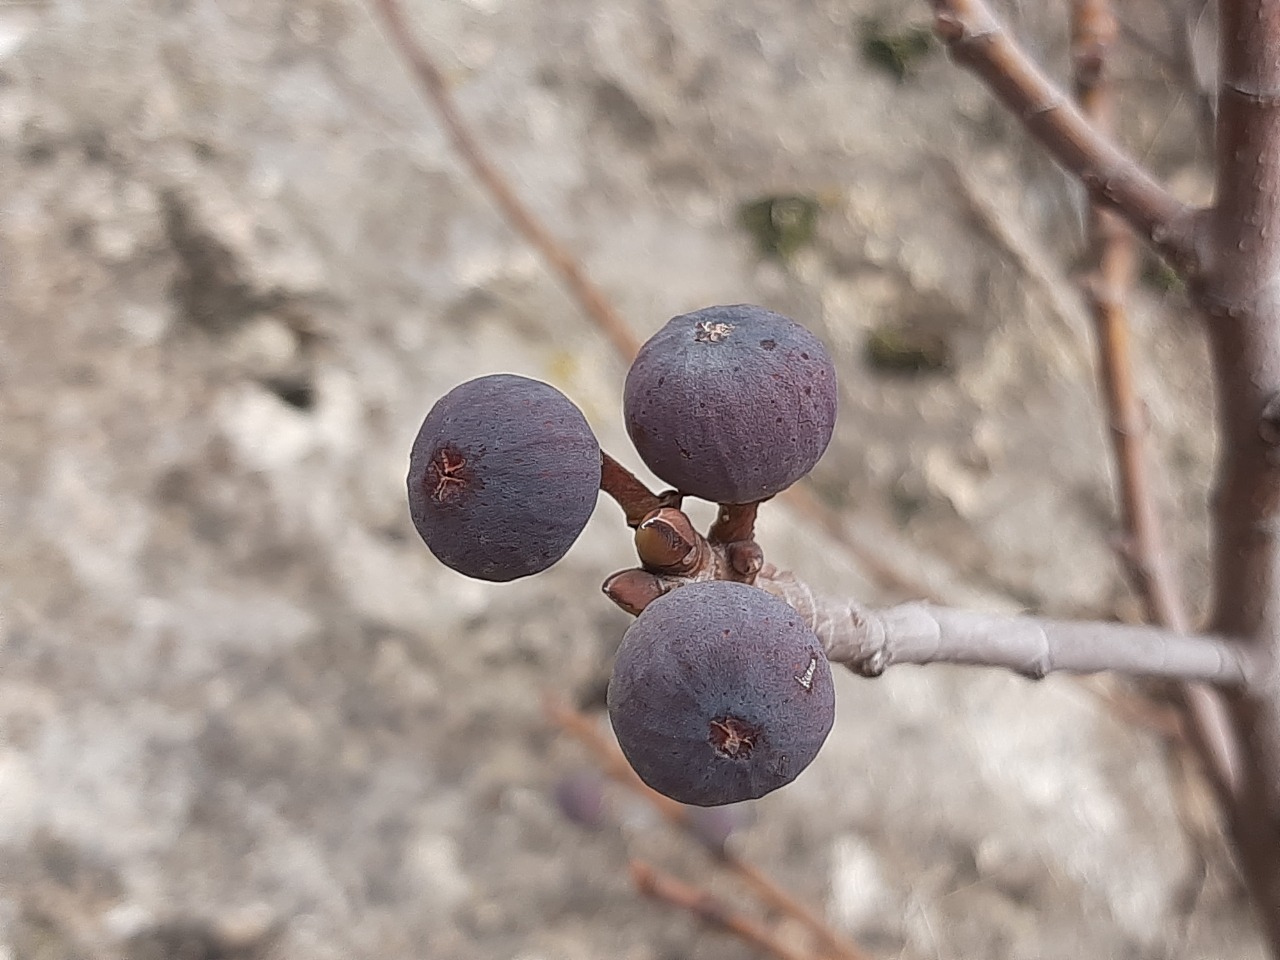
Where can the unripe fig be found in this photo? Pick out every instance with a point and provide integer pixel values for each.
(503, 476)
(732, 404)
(720, 693)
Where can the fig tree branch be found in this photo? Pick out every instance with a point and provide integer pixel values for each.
(1094, 30)
(629, 492)
(1232, 262)
(1106, 286)
(1238, 292)
(978, 41)
(869, 641)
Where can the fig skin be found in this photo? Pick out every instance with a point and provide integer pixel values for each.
(711, 659)
(503, 476)
(732, 404)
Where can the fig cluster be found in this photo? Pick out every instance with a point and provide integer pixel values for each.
(720, 692)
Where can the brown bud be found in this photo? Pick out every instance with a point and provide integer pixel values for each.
(666, 541)
(745, 557)
(633, 590)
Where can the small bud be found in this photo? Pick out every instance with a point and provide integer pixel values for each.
(633, 590)
(745, 557)
(666, 541)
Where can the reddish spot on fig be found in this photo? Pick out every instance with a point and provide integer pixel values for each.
(732, 738)
(448, 475)
(503, 476)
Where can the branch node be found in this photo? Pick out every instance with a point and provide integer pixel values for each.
(1253, 95)
(1269, 423)
(1072, 140)
(1039, 109)
(872, 665)
(949, 28)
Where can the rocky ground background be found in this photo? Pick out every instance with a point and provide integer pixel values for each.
(243, 713)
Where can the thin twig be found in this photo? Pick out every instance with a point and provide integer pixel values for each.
(1094, 31)
(1112, 247)
(432, 82)
(979, 42)
(636, 500)
(659, 885)
(615, 766)
(869, 641)
(1139, 709)
(734, 522)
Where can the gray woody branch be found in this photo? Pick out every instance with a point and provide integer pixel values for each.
(869, 641)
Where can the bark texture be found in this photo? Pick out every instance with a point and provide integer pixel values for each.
(1238, 290)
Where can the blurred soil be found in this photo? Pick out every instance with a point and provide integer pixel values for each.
(243, 713)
